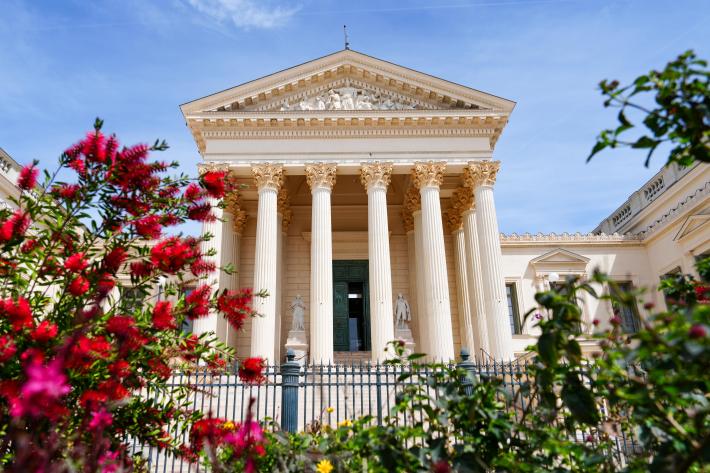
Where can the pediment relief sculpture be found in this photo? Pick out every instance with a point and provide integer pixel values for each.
(351, 98)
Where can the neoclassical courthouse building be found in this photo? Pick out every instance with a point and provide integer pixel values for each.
(365, 184)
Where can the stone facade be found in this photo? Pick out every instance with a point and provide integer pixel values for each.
(349, 158)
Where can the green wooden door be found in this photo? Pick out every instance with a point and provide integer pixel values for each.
(344, 272)
(340, 316)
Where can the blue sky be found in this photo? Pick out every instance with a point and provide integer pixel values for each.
(133, 62)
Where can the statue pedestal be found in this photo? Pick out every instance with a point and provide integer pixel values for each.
(298, 342)
(404, 333)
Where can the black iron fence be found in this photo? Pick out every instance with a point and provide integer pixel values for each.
(301, 398)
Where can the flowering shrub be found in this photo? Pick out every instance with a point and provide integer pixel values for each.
(74, 354)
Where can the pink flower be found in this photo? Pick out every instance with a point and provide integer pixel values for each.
(100, 420)
(697, 331)
(41, 394)
(28, 177)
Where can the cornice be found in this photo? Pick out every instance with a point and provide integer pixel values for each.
(650, 230)
(525, 239)
(340, 64)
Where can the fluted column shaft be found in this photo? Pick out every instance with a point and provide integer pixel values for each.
(462, 296)
(321, 178)
(428, 177)
(375, 177)
(499, 335)
(412, 266)
(422, 296)
(477, 301)
(268, 179)
(214, 228)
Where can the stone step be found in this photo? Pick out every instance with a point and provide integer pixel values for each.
(348, 357)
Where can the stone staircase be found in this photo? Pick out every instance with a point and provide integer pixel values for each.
(351, 357)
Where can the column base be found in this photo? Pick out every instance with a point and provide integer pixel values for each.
(405, 334)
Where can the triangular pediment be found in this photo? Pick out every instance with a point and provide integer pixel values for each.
(347, 80)
(692, 223)
(561, 261)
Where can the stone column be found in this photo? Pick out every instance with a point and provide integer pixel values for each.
(268, 178)
(408, 220)
(413, 205)
(214, 244)
(321, 179)
(239, 219)
(482, 176)
(375, 177)
(474, 278)
(284, 219)
(466, 328)
(437, 327)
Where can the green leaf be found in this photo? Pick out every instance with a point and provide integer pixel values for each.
(547, 348)
(579, 400)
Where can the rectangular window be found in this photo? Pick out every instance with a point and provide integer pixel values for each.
(131, 298)
(629, 315)
(513, 311)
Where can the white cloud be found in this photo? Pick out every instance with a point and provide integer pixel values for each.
(246, 13)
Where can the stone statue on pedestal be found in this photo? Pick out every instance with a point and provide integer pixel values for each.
(298, 312)
(402, 312)
(297, 340)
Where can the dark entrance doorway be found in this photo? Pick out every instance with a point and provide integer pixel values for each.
(351, 306)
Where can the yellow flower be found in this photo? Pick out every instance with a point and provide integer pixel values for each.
(329, 410)
(229, 426)
(345, 423)
(324, 466)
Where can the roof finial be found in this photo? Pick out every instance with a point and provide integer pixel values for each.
(345, 33)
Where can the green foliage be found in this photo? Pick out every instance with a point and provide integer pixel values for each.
(681, 115)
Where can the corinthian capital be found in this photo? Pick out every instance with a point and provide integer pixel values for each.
(452, 218)
(463, 199)
(430, 174)
(240, 220)
(205, 167)
(284, 208)
(375, 175)
(412, 200)
(320, 175)
(268, 176)
(481, 173)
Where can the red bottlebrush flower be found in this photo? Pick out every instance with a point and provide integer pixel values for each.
(251, 370)
(7, 348)
(77, 164)
(193, 193)
(697, 331)
(15, 226)
(236, 306)
(171, 255)
(201, 266)
(160, 368)
(94, 147)
(141, 269)
(28, 177)
(441, 466)
(213, 182)
(105, 285)
(42, 392)
(201, 212)
(148, 227)
(120, 369)
(169, 192)
(28, 246)
(702, 293)
(206, 431)
(91, 398)
(76, 263)
(44, 332)
(87, 350)
(121, 325)
(66, 191)
(18, 312)
(168, 220)
(78, 286)
(198, 302)
(100, 420)
(113, 389)
(163, 316)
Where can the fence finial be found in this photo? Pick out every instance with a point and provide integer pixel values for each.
(465, 354)
(290, 355)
